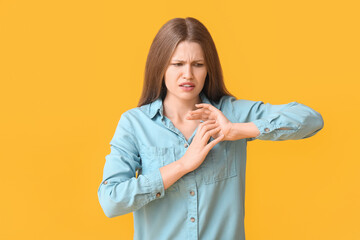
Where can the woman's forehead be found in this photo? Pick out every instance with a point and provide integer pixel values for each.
(188, 50)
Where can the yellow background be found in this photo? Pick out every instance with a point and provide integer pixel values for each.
(69, 69)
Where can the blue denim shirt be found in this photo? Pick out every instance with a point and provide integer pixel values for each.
(207, 203)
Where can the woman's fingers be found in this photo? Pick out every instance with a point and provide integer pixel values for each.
(204, 112)
(199, 132)
(198, 116)
(211, 144)
(200, 110)
(207, 122)
(209, 125)
(193, 115)
(207, 106)
(213, 131)
(210, 133)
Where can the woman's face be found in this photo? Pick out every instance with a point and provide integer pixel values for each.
(186, 72)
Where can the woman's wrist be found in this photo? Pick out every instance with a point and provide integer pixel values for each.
(184, 168)
(172, 172)
(243, 130)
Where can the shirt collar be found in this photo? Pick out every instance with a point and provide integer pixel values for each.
(157, 105)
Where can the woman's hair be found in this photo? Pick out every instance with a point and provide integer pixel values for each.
(162, 48)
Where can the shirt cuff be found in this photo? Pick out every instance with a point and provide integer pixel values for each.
(264, 127)
(156, 184)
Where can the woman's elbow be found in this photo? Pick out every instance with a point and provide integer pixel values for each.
(110, 213)
(316, 123)
(110, 208)
(319, 121)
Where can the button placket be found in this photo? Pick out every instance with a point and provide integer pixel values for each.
(169, 125)
(192, 212)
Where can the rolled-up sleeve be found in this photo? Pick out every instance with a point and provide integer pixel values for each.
(290, 121)
(120, 191)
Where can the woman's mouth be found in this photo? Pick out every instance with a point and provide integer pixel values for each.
(187, 86)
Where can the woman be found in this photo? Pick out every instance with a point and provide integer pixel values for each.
(178, 160)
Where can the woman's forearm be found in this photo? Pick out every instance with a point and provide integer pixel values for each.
(243, 130)
(172, 172)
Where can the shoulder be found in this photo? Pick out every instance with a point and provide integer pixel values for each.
(128, 117)
(133, 112)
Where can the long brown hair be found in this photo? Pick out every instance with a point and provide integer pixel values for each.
(163, 46)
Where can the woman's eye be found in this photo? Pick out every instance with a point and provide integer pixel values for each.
(180, 64)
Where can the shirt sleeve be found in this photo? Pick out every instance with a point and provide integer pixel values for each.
(120, 191)
(290, 121)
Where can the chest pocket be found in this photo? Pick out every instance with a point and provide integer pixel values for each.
(220, 163)
(153, 158)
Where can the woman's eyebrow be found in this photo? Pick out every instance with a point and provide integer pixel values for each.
(178, 60)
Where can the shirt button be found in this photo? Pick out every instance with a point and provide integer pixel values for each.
(186, 145)
(158, 195)
(192, 193)
(266, 129)
(192, 219)
(105, 182)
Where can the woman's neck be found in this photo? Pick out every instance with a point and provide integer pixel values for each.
(176, 109)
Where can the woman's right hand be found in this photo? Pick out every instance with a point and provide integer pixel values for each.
(199, 146)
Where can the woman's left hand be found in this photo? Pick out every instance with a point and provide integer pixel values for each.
(209, 112)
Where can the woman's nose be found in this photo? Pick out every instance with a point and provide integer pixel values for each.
(188, 71)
